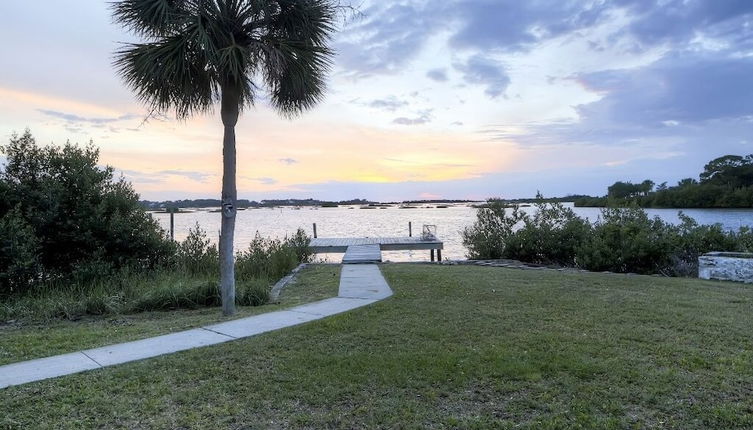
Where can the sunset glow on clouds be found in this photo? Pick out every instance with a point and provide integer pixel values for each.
(462, 99)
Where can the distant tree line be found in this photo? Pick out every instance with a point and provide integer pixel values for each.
(726, 182)
(244, 203)
(539, 199)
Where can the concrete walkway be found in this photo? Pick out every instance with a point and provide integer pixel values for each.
(360, 285)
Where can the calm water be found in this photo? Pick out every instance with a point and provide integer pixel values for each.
(392, 221)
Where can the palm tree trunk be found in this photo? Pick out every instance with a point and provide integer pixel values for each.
(229, 112)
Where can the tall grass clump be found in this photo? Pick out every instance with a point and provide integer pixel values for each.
(265, 261)
(271, 258)
(621, 240)
(186, 281)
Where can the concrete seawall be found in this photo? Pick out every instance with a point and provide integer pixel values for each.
(726, 266)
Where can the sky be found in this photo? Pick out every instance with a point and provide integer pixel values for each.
(453, 99)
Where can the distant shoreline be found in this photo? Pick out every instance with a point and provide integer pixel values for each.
(166, 205)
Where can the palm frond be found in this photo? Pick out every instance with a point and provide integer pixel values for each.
(169, 73)
(151, 18)
(295, 56)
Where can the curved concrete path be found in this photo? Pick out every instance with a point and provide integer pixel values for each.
(360, 285)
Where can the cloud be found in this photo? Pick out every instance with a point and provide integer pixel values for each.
(681, 21)
(512, 26)
(386, 37)
(288, 161)
(391, 35)
(439, 75)
(161, 176)
(483, 71)
(265, 180)
(188, 174)
(425, 163)
(76, 119)
(680, 88)
(429, 196)
(390, 103)
(410, 121)
(517, 25)
(424, 117)
(683, 110)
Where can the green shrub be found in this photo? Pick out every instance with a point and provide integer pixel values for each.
(745, 239)
(197, 254)
(550, 236)
(489, 236)
(84, 220)
(300, 243)
(627, 240)
(19, 254)
(272, 258)
(622, 240)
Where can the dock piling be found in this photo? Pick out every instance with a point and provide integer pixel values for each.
(172, 224)
(410, 229)
(314, 230)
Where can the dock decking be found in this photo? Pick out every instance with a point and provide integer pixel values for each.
(359, 254)
(340, 245)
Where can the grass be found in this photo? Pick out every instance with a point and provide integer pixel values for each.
(314, 282)
(455, 347)
(25, 340)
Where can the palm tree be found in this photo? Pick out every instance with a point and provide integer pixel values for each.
(199, 52)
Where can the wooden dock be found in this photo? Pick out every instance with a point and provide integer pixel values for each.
(323, 245)
(359, 254)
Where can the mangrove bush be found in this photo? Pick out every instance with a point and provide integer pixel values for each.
(621, 240)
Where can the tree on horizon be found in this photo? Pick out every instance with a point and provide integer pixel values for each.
(199, 53)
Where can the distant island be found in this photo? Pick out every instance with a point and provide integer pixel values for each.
(726, 182)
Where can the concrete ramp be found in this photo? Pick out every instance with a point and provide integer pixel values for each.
(359, 254)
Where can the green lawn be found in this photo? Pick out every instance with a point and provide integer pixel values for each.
(456, 346)
(26, 340)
